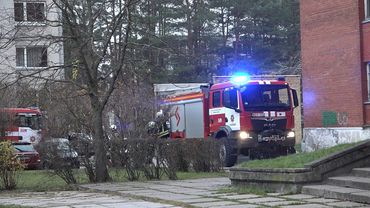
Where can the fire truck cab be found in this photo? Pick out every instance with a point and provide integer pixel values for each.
(251, 117)
(21, 124)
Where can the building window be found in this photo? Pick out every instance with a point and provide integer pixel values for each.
(367, 9)
(20, 57)
(29, 12)
(18, 12)
(31, 57)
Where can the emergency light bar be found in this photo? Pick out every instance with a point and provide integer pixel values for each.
(240, 79)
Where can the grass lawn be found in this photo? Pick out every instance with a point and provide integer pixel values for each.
(295, 161)
(193, 175)
(41, 180)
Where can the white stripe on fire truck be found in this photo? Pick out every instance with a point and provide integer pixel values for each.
(272, 114)
(279, 114)
(216, 111)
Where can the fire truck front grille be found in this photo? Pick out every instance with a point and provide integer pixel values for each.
(268, 124)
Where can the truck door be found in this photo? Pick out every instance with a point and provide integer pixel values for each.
(216, 113)
(230, 103)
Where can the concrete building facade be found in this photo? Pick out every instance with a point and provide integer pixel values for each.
(30, 40)
(335, 38)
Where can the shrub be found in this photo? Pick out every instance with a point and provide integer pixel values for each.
(154, 158)
(202, 155)
(9, 165)
(157, 157)
(128, 155)
(59, 157)
(83, 145)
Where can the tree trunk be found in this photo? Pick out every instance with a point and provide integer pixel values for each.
(189, 26)
(101, 161)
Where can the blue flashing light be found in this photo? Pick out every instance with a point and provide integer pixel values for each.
(240, 79)
(309, 98)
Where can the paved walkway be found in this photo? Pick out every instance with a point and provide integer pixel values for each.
(76, 199)
(171, 194)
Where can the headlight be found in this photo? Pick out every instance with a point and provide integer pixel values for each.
(290, 134)
(244, 135)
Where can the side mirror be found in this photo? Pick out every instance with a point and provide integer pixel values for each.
(295, 98)
(237, 110)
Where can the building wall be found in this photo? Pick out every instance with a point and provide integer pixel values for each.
(331, 62)
(333, 72)
(29, 34)
(6, 31)
(366, 41)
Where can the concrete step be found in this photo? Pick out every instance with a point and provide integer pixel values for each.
(350, 182)
(338, 192)
(361, 172)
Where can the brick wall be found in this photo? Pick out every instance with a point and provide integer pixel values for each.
(366, 41)
(331, 61)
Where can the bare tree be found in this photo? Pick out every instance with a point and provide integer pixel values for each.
(98, 33)
(133, 108)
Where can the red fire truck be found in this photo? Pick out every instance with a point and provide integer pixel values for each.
(252, 117)
(21, 124)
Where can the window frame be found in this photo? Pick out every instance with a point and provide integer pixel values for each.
(25, 57)
(218, 100)
(273, 103)
(228, 92)
(25, 16)
(20, 12)
(24, 61)
(367, 10)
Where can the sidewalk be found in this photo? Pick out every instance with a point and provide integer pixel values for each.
(75, 199)
(166, 194)
(204, 193)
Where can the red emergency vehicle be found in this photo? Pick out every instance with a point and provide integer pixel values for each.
(21, 124)
(252, 117)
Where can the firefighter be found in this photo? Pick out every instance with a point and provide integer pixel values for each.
(159, 128)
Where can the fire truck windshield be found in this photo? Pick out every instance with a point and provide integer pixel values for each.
(31, 121)
(265, 97)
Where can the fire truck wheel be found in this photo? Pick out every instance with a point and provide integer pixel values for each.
(252, 154)
(291, 150)
(228, 153)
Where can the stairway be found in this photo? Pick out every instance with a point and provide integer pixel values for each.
(353, 187)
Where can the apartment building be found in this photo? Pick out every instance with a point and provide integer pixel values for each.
(30, 40)
(335, 38)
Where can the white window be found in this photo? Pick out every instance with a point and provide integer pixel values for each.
(29, 11)
(367, 9)
(31, 57)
